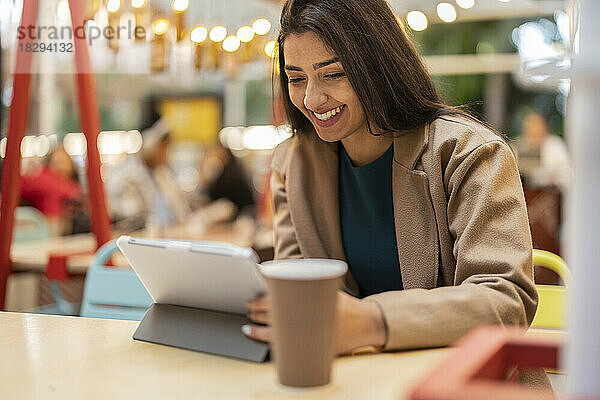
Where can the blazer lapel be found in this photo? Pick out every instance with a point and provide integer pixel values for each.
(416, 232)
(313, 198)
(314, 202)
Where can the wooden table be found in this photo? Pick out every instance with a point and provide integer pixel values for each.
(53, 357)
(33, 255)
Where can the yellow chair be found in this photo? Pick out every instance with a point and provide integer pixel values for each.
(551, 307)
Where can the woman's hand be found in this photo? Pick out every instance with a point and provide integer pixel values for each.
(360, 323)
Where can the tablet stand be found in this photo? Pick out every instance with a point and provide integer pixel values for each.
(200, 330)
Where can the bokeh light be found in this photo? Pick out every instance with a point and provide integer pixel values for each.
(231, 44)
(113, 5)
(199, 34)
(416, 20)
(138, 3)
(180, 5)
(218, 33)
(245, 33)
(271, 49)
(446, 12)
(261, 26)
(160, 26)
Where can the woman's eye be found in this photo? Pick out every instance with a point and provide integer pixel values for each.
(295, 80)
(335, 75)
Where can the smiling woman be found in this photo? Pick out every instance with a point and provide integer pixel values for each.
(423, 201)
(319, 88)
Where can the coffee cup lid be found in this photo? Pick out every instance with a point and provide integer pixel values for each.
(304, 269)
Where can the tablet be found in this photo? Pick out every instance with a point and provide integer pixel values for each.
(207, 275)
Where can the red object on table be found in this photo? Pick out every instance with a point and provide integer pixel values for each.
(48, 191)
(90, 124)
(56, 269)
(483, 364)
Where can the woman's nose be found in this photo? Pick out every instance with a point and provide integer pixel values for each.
(314, 97)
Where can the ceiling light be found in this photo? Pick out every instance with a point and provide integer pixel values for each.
(138, 3)
(75, 144)
(245, 33)
(416, 20)
(218, 33)
(231, 44)
(160, 26)
(199, 34)
(446, 12)
(261, 26)
(3, 147)
(113, 5)
(271, 49)
(465, 3)
(180, 5)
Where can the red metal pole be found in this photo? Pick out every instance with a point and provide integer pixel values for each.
(17, 122)
(90, 125)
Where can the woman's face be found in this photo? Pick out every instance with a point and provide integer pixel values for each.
(319, 87)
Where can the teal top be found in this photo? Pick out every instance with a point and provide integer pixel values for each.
(367, 222)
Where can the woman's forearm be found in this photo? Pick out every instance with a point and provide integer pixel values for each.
(361, 324)
(375, 333)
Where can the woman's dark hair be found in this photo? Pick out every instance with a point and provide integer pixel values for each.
(381, 63)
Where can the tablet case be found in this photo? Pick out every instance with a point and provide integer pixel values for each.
(200, 330)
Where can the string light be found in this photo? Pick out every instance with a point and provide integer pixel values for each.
(75, 144)
(446, 12)
(160, 26)
(199, 34)
(245, 33)
(113, 5)
(416, 20)
(271, 48)
(3, 147)
(231, 44)
(218, 33)
(180, 5)
(138, 3)
(465, 3)
(261, 26)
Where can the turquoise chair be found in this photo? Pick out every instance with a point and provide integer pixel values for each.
(30, 224)
(114, 293)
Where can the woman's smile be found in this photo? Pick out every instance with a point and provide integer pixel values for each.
(328, 118)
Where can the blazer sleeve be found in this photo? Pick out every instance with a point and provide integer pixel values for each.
(285, 241)
(493, 281)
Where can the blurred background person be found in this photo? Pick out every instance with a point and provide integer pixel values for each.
(226, 178)
(544, 166)
(53, 189)
(141, 189)
(543, 157)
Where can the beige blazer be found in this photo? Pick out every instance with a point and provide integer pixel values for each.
(462, 231)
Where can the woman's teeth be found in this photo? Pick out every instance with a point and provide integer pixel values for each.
(328, 114)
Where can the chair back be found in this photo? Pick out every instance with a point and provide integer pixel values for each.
(551, 306)
(111, 292)
(30, 224)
